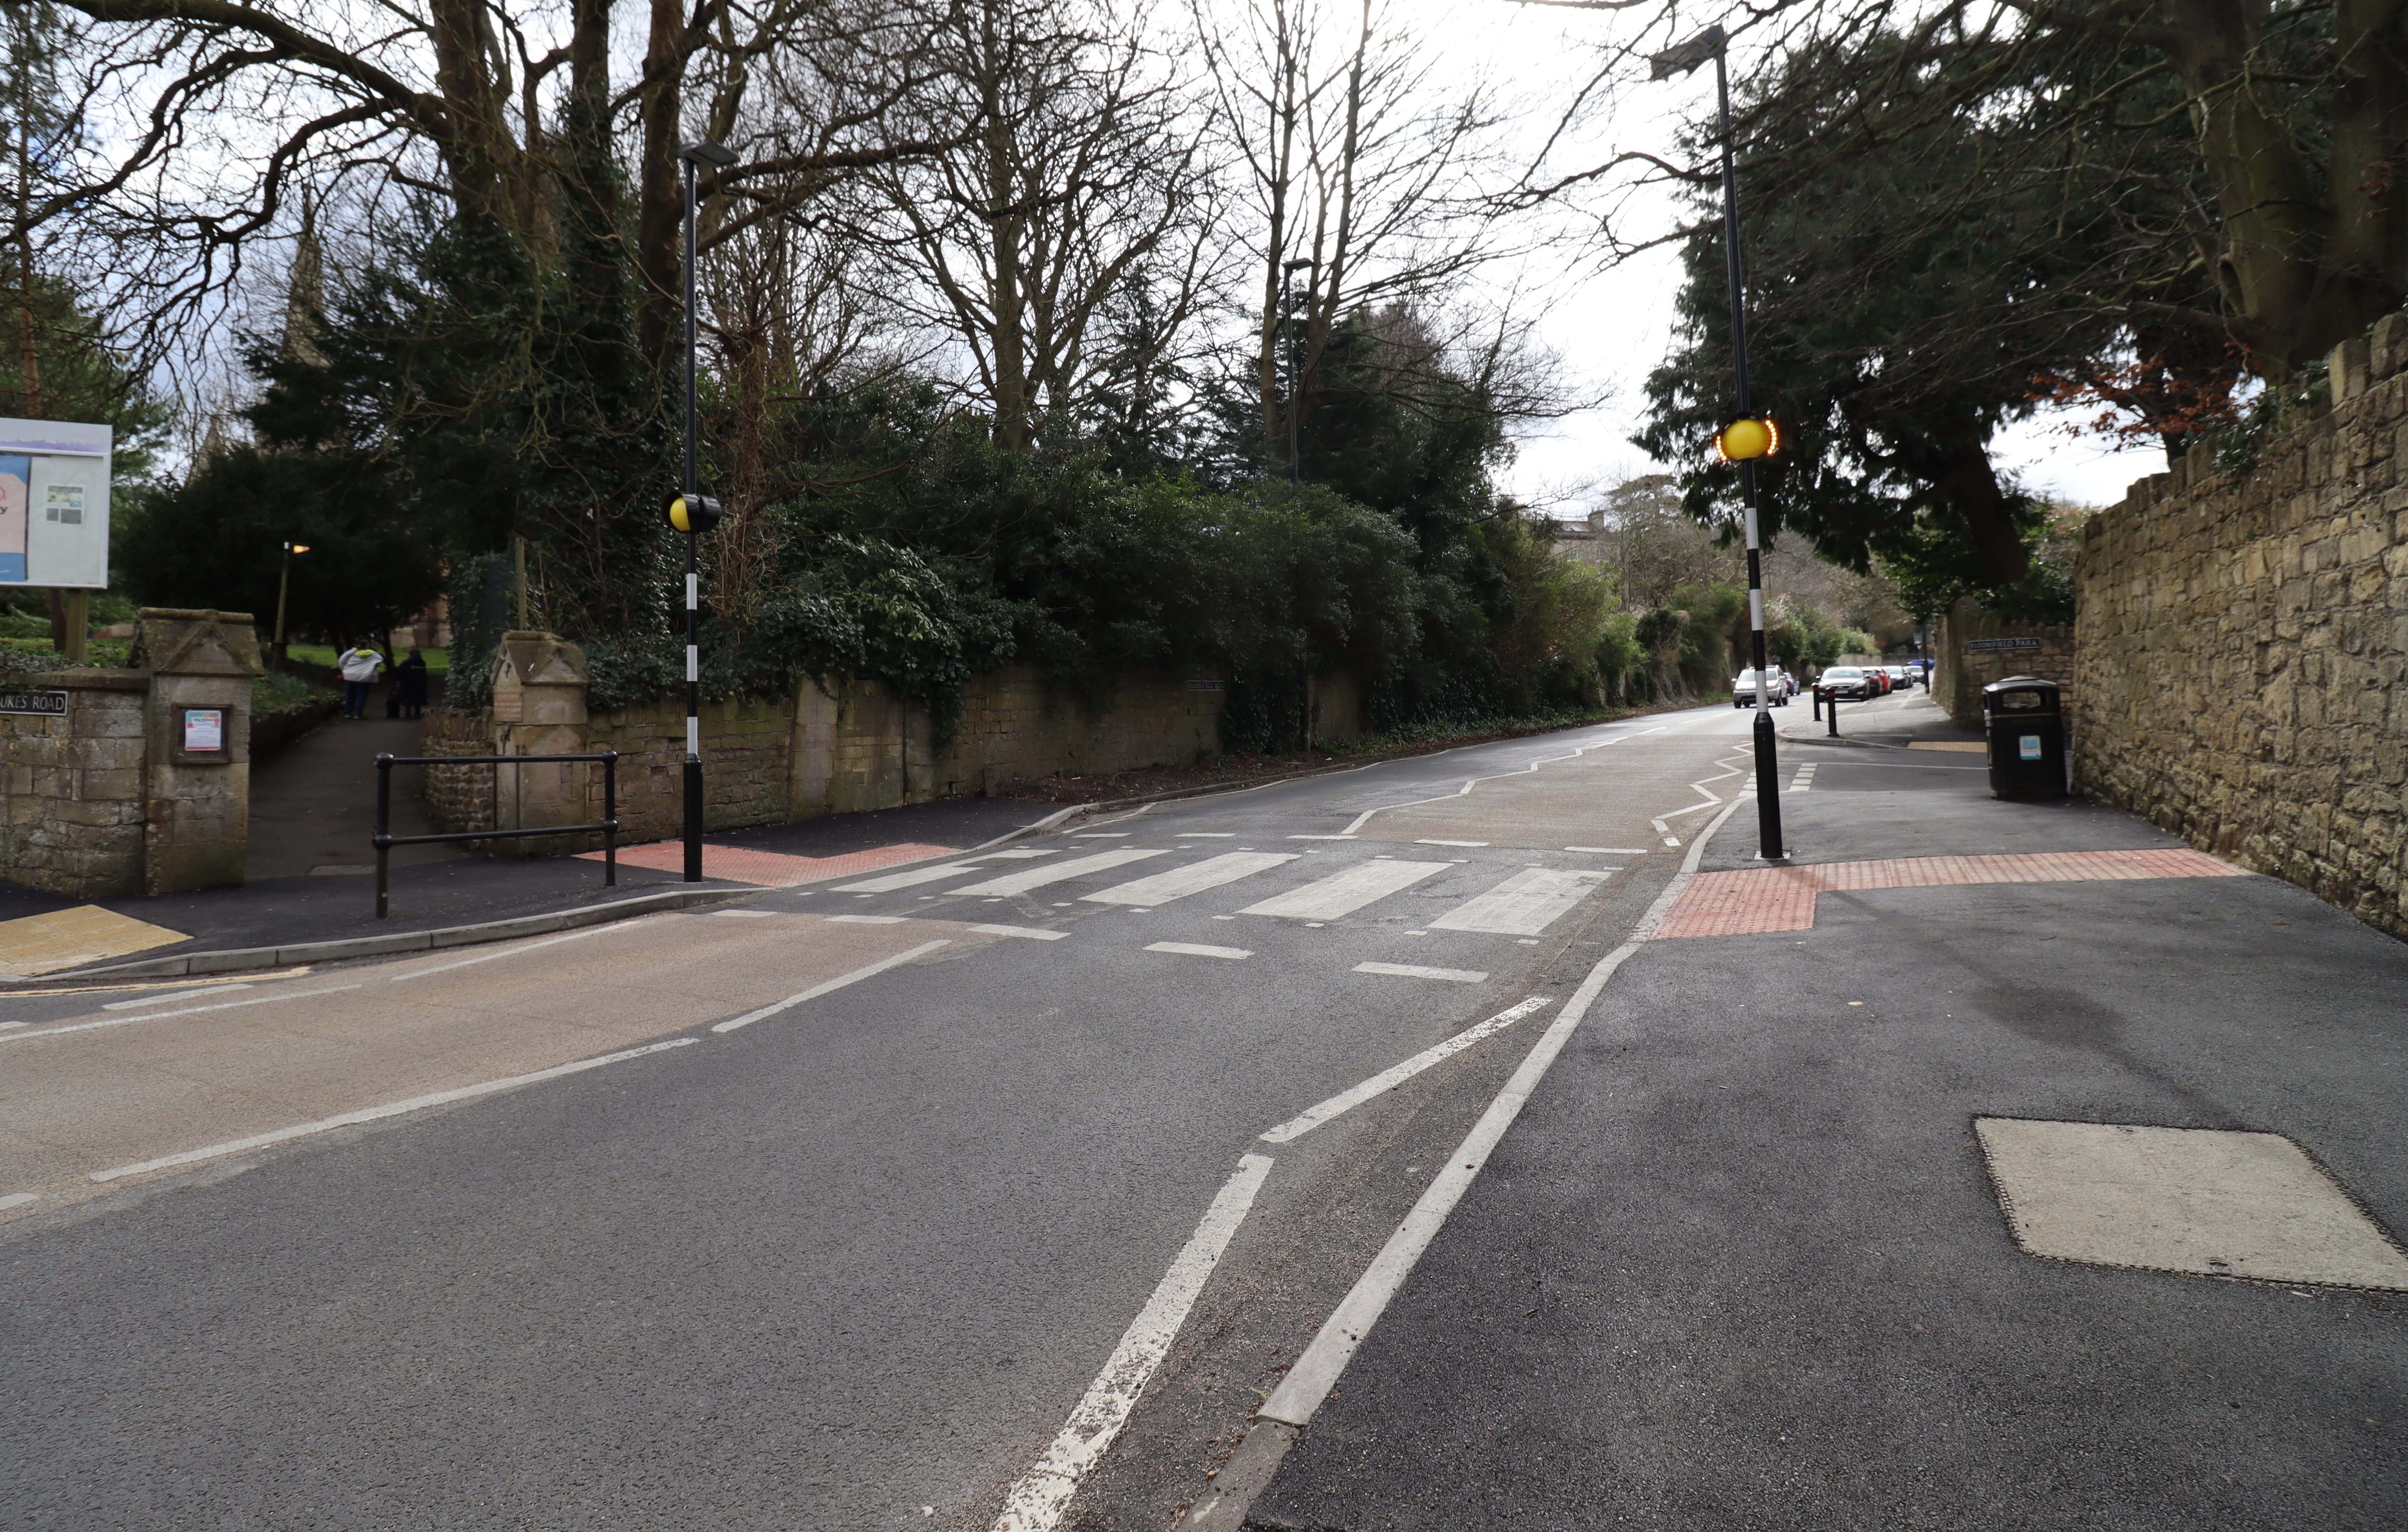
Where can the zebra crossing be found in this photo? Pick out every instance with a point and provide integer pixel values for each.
(1524, 903)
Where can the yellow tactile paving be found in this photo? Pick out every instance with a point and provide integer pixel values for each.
(41, 944)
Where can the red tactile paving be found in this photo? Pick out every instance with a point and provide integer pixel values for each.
(769, 869)
(1761, 899)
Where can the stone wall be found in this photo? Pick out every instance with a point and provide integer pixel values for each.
(73, 818)
(2241, 644)
(1963, 671)
(844, 747)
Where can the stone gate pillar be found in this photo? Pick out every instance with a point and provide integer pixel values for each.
(540, 682)
(197, 770)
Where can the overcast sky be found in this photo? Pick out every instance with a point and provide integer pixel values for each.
(1612, 327)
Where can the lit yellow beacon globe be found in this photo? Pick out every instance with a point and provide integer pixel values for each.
(1742, 439)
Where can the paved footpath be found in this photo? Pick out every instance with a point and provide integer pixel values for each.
(1744, 1261)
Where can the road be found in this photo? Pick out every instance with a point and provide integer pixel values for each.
(871, 1183)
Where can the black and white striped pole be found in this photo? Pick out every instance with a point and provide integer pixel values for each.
(693, 513)
(1744, 440)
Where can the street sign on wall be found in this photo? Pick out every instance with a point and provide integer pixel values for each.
(54, 504)
(1991, 646)
(43, 703)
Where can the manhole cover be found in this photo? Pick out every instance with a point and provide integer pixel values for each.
(2184, 1199)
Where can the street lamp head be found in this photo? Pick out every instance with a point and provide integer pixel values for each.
(1681, 60)
(704, 151)
(1298, 264)
(297, 548)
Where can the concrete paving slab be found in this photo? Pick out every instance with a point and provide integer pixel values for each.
(2208, 1202)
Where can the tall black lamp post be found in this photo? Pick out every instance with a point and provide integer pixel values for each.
(693, 513)
(1748, 437)
(1296, 474)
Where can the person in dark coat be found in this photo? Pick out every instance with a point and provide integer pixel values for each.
(410, 682)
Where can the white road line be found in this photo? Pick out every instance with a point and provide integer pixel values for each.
(17, 1199)
(172, 995)
(1316, 1372)
(1450, 843)
(1033, 933)
(855, 976)
(1208, 835)
(1609, 851)
(1341, 894)
(1574, 753)
(745, 914)
(1055, 872)
(1195, 878)
(514, 951)
(391, 1109)
(1321, 837)
(1189, 949)
(911, 879)
(185, 1011)
(1388, 1080)
(1038, 1500)
(867, 920)
(1523, 905)
(1406, 970)
(1103, 835)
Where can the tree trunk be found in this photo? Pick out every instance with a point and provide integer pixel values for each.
(660, 206)
(1966, 476)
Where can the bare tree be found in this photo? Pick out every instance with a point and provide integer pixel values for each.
(1353, 164)
(1084, 182)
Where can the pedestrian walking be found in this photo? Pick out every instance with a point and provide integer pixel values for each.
(409, 680)
(361, 664)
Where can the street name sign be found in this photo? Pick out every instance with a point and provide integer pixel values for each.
(44, 704)
(1992, 646)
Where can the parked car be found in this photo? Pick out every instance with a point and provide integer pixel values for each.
(1743, 689)
(1901, 676)
(1849, 682)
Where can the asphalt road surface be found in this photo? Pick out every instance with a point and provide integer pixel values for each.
(831, 1209)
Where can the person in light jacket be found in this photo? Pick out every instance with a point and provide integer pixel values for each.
(361, 665)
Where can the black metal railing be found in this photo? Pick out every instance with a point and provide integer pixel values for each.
(386, 840)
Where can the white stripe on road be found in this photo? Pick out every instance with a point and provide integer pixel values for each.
(1609, 851)
(746, 914)
(1341, 894)
(17, 1199)
(1055, 872)
(186, 1011)
(1196, 878)
(1033, 933)
(1523, 905)
(391, 1109)
(1388, 1080)
(1038, 1500)
(867, 920)
(1450, 843)
(1406, 970)
(855, 976)
(1316, 1372)
(912, 878)
(1189, 949)
(172, 995)
(523, 947)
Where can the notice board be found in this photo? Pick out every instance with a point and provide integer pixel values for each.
(54, 504)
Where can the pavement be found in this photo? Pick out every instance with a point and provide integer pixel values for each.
(1744, 1262)
(999, 1192)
